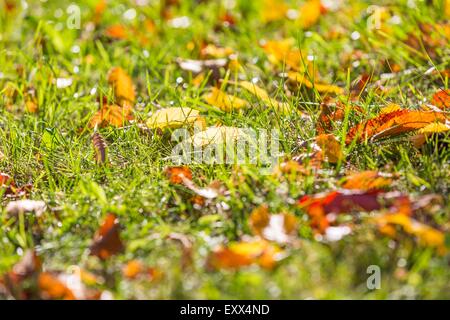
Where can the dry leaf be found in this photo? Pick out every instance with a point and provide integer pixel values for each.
(273, 227)
(282, 107)
(219, 136)
(309, 13)
(441, 99)
(393, 123)
(177, 174)
(174, 117)
(242, 254)
(107, 240)
(122, 85)
(111, 115)
(367, 180)
(14, 208)
(99, 144)
(330, 147)
(223, 101)
(52, 288)
(302, 79)
(426, 235)
(273, 10)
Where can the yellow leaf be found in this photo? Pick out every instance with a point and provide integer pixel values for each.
(282, 107)
(280, 52)
(330, 146)
(302, 79)
(224, 101)
(218, 136)
(174, 117)
(435, 127)
(425, 234)
(309, 13)
(273, 10)
(391, 107)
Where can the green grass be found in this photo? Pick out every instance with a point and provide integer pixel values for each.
(52, 150)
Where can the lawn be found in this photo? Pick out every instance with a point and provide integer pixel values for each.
(349, 100)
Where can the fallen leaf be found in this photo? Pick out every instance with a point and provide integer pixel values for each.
(426, 235)
(107, 240)
(223, 101)
(330, 147)
(219, 136)
(52, 288)
(111, 115)
(177, 174)
(367, 180)
(273, 227)
(242, 254)
(441, 99)
(122, 85)
(117, 32)
(174, 117)
(99, 144)
(393, 123)
(282, 107)
(14, 208)
(309, 13)
(273, 10)
(302, 79)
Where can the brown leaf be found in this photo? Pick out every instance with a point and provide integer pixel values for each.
(107, 240)
(99, 145)
(177, 174)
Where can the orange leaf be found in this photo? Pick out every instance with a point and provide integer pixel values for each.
(52, 288)
(393, 123)
(441, 99)
(107, 240)
(122, 86)
(117, 32)
(111, 115)
(177, 174)
(273, 227)
(366, 180)
(242, 254)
